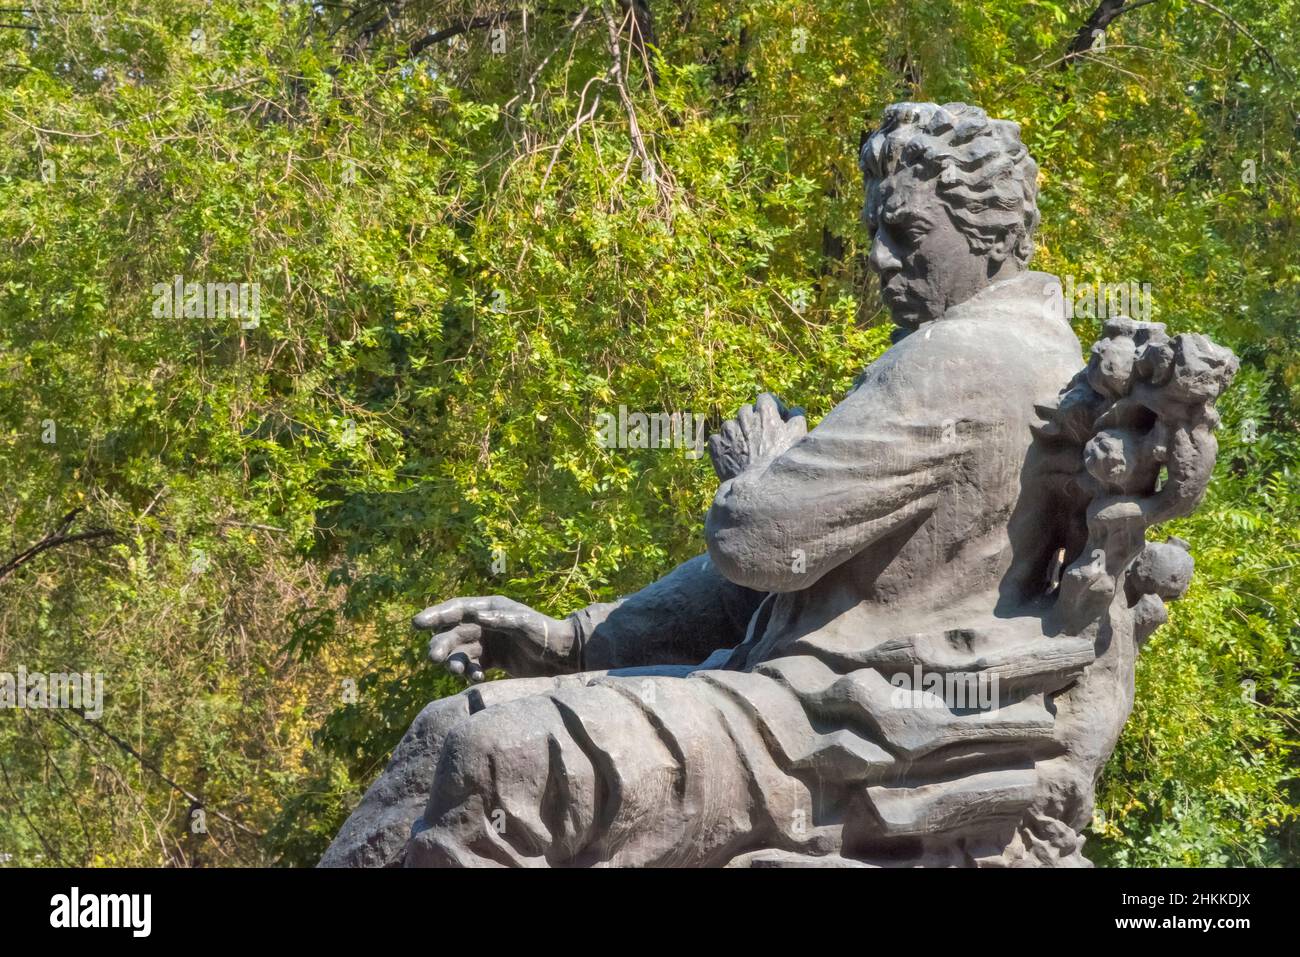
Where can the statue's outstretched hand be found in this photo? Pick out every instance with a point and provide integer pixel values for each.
(758, 434)
(473, 634)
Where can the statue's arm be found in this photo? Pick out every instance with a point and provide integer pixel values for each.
(679, 619)
(875, 463)
(791, 507)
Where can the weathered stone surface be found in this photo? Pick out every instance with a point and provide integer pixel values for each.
(912, 638)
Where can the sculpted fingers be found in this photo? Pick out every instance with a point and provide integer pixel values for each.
(750, 422)
(796, 425)
(782, 426)
(769, 408)
(726, 449)
(456, 610)
(462, 664)
(439, 616)
(725, 463)
(716, 453)
(464, 638)
(502, 620)
(774, 413)
(733, 438)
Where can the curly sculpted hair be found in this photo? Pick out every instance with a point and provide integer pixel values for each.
(985, 175)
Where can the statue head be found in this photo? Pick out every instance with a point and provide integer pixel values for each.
(951, 204)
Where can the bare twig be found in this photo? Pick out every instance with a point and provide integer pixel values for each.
(55, 539)
(536, 74)
(617, 75)
(49, 848)
(153, 769)
(1247, 34)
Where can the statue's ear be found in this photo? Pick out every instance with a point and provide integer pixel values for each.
(1001, 248)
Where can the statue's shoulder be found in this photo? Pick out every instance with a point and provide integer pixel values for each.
(1008, 334)
(1034, 297)
(1014, 317)
(1014, 331)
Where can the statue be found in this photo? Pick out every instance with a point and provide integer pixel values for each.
(970, 517)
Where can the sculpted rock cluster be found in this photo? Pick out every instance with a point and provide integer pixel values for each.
(1143, 406)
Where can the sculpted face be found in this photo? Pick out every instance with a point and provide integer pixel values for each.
(925, 263)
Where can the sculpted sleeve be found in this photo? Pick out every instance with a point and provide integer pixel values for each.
(680, 619)
(876, 462)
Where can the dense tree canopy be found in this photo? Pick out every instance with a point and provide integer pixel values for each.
(474, 227)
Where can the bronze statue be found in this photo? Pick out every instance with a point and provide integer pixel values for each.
(971, 515)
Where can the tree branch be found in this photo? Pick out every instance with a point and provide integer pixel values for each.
(456, 29)
(1272, 60)
(1107, 11)
(53, 540)
(153, 769)
(49, 848)
(643, 31)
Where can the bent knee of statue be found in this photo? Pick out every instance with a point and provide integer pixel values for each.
(510, 784)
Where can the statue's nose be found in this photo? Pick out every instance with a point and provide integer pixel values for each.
(882, 258)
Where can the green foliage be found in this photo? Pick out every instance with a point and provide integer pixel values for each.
(463, 257)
